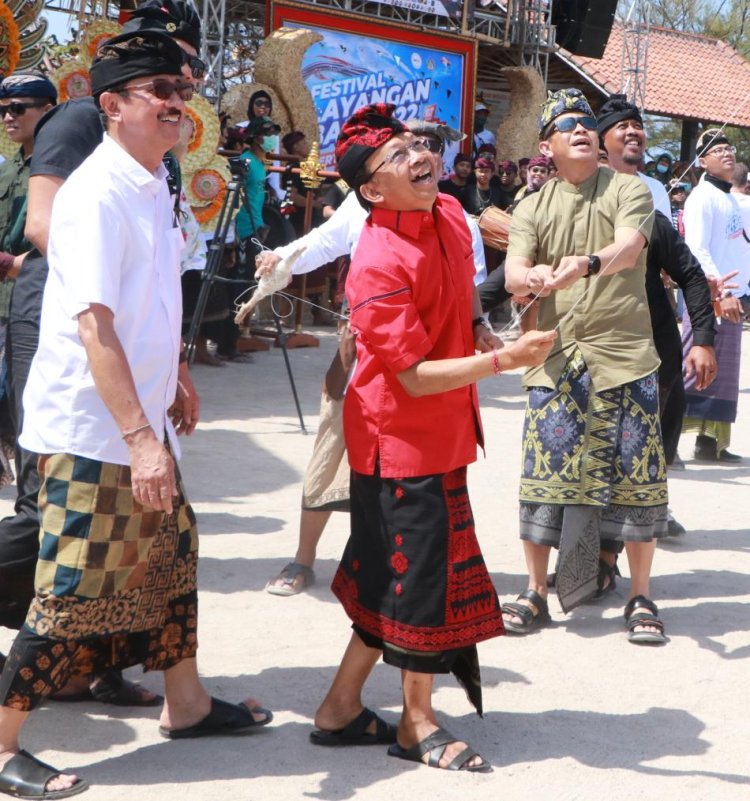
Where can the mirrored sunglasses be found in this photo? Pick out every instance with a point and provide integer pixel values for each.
(570, 123)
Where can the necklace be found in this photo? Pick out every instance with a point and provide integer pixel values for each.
(483, 197)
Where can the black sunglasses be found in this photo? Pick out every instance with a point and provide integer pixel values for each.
(198, 66)
(571, 123)
(162, 89)
(17, 109)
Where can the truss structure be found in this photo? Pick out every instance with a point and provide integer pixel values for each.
(233, 29)
(636, 26)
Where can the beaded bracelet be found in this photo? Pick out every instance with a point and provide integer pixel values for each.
(496, 363)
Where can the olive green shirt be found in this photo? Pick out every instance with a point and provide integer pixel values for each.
(14, 187)
(611, 324)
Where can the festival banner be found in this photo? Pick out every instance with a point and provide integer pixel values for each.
(359, 61)
(441, 8)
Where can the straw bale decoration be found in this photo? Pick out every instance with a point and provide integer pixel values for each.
(278, 63)
(518, 130)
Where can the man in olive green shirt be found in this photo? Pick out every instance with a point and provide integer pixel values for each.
(593, 459)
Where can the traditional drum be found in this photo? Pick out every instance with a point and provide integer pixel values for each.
(494, 225)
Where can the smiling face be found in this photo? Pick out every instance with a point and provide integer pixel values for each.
(579, 146)
(625, 142)
(402, 179)
(145, 125)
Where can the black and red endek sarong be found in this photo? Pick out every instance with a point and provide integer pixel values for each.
(413, 579)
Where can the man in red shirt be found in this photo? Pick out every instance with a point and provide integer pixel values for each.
(412, 578)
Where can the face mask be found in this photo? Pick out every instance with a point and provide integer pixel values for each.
(662, 168)
(268, 143)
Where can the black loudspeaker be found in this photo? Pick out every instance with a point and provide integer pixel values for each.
(583, 26)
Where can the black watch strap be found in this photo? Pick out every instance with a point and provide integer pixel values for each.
(595, 264)
(480, 321)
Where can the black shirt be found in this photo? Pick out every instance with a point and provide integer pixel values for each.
(63, 139)
(667, 251)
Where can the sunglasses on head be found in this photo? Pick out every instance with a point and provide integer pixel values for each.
(162, 89)
(198, 66)
(570, 124)
(17, 109)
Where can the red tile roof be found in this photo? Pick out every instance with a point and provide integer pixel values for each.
(688, 76)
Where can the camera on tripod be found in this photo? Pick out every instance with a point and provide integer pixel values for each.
(238, 167)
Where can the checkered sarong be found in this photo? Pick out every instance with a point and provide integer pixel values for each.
(107, 565)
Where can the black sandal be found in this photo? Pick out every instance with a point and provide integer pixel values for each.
(25, 776)
(530, 621)
(606, 580)
(634, 620)
(434, 745)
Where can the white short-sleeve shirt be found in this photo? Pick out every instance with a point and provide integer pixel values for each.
(113, 241)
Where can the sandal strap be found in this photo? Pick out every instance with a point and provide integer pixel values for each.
(644, 619)
(462, 758)
(357, 727)
(438, 740)
(518, 610)
(642, 602)
(24, 773)
(294, 569)
(536, 599)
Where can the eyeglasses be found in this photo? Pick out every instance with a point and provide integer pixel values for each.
(435, 145)
(162, 89)
(18, 109)
(722, 151)
(399, 156)
(261, 101)
(571, 123)
(198, 66)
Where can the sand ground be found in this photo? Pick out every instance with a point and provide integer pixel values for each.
(572, 712)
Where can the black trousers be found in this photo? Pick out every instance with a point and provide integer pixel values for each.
(19, 533)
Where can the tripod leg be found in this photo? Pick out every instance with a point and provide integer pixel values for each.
(282, 345)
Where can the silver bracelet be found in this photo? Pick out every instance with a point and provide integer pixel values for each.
(126, 434)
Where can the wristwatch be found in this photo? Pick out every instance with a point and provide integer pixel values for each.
(481, 321)
(595, 264)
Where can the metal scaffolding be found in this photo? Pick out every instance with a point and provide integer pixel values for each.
(636, 25)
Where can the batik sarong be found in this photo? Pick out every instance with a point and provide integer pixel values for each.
(412, 578)
(593, 468)
(711, 411)
(109, 569)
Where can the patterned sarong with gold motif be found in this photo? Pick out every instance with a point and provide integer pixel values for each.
(593, 469)
(593, 448)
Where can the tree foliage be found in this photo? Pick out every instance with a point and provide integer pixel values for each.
(728, 20)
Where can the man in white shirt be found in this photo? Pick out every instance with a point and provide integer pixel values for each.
(118, 551)
(714, 232)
